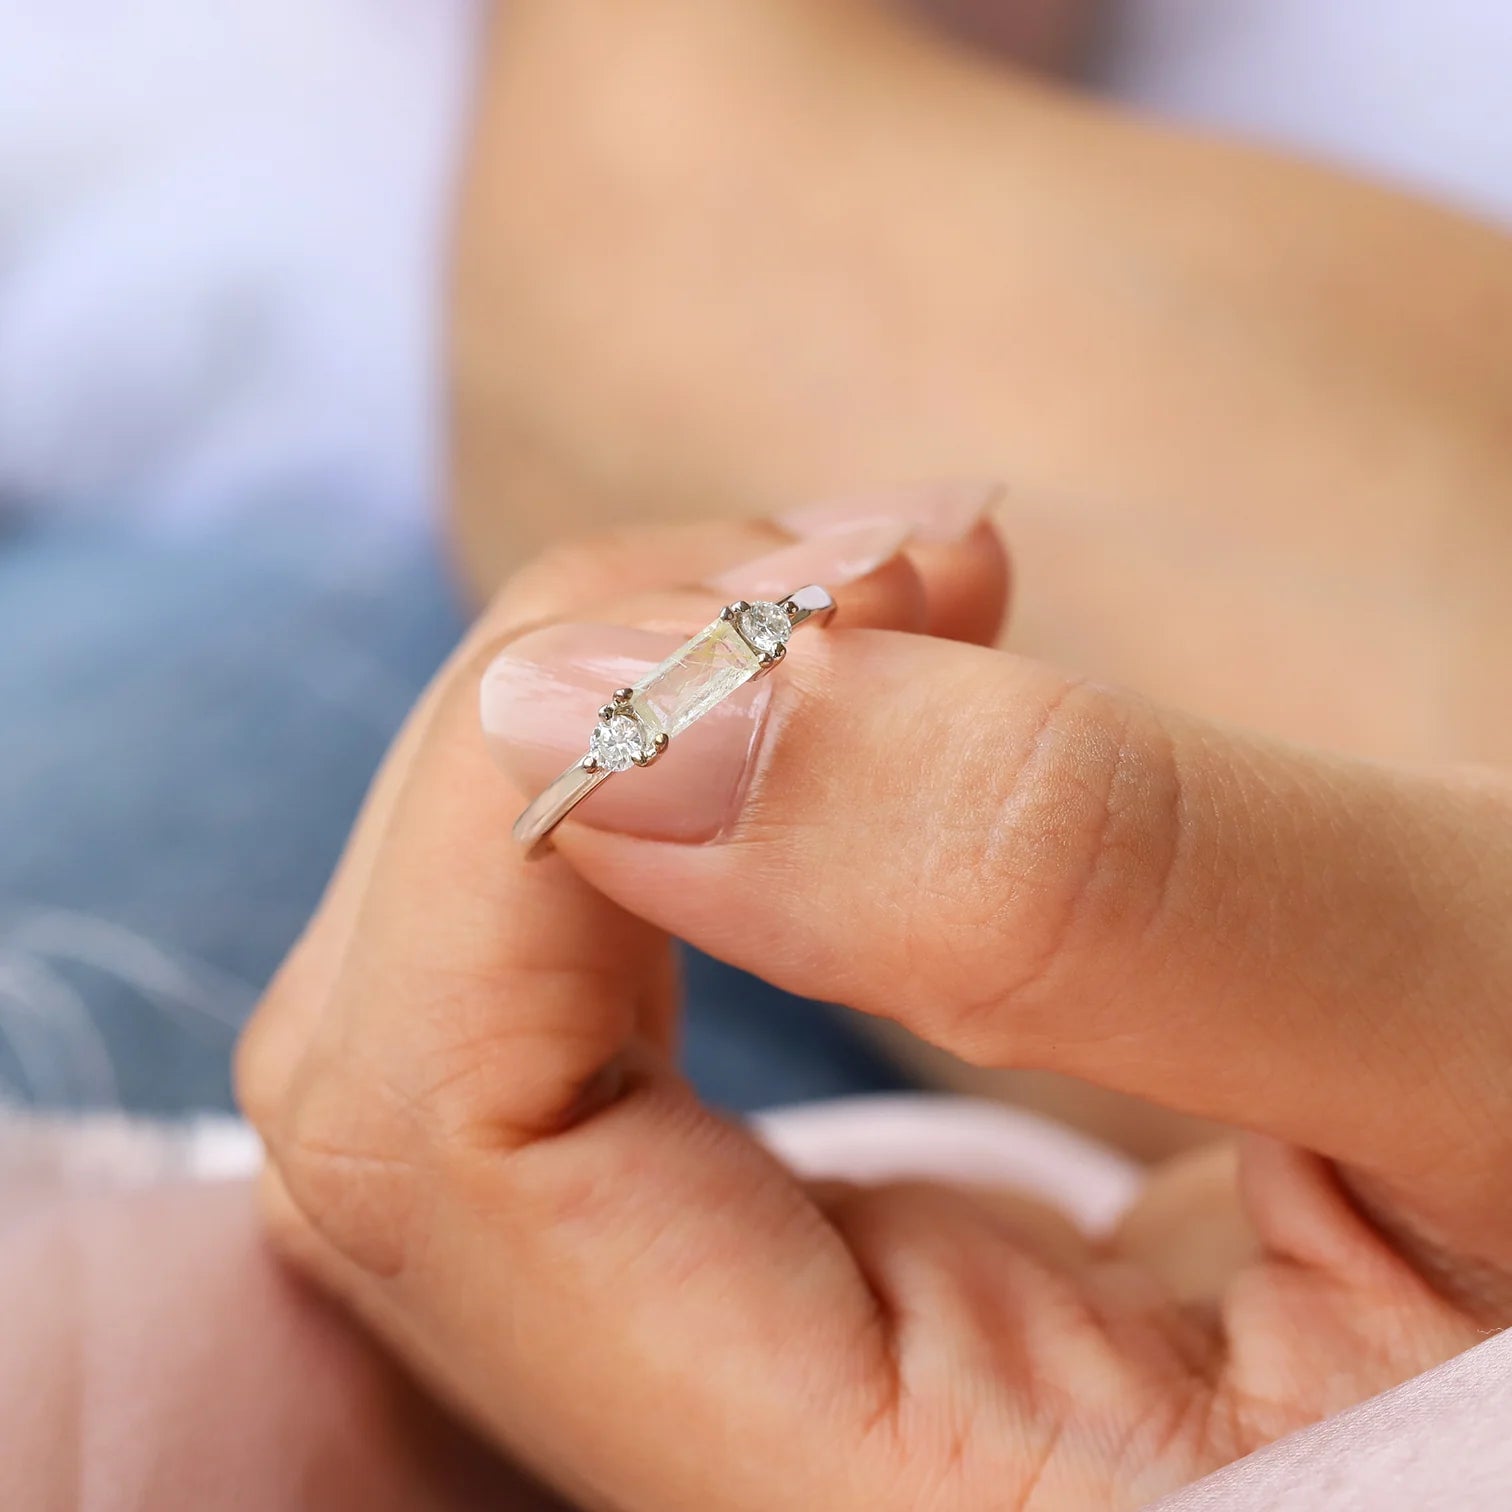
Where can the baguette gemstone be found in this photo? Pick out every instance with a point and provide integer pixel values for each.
(693, 679)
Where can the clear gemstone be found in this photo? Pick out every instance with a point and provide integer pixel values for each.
(766, 626)
(618, 742)
(694, 678)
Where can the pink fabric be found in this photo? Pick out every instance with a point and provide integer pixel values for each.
(156, 1356)
(1440, 1441)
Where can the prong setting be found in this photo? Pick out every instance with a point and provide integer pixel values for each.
(635, 727)
(658, 746)
(620, 740)
(765, 627)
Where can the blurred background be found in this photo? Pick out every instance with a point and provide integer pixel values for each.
(226, 317)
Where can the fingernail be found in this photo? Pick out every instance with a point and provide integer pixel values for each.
(833, 559)
(939, 513)
(539, 704)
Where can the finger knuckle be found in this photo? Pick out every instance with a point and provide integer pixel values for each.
(348, 1167)
(1072, 842)
(272, 1043)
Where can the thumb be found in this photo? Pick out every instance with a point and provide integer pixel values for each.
(1031, 871)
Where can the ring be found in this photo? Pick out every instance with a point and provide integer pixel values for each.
(638, 724)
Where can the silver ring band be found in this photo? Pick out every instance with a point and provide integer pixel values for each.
(638, 724)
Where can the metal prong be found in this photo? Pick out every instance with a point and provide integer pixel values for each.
(588, 764)
(738, 607)
(727, 613)
(769, 659)
(789, 608)
(608, 711)
(623, 695)
(657, 747)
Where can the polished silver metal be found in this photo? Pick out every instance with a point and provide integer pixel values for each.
(534, 826)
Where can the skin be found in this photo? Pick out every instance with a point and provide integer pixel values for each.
(763, 252)
(478, 1141)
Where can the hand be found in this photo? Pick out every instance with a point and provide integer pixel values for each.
(477, 1137)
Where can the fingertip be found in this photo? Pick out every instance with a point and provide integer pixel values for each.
(1301, 1211)
(966, 585)
(893, 596)
(948, 531)
(274, 1041)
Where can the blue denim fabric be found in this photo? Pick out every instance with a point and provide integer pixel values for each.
(186, 730)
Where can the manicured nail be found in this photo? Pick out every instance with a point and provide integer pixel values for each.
(938, 513)
(540, 702)
(833, 560)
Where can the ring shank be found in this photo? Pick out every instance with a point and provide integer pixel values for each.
(547, 810)
(812, 602)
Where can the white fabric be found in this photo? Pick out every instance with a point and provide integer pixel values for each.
(115, 1152)
(1415, 91)
(220, 248)
(934, 1138)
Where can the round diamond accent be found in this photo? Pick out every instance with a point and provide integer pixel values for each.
(765, 626)
(619, 742)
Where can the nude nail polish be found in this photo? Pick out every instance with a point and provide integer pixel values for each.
(937, 514)
(539, 701)
(832, 560)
